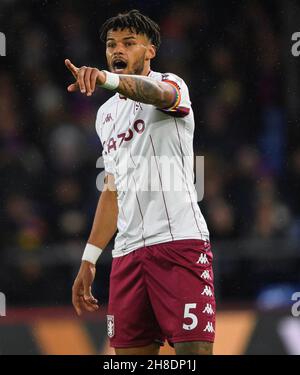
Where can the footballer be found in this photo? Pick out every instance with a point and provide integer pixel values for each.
(161, 282)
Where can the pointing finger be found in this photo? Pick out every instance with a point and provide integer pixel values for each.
(73, 69)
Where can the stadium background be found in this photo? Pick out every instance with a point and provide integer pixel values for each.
(244, 85)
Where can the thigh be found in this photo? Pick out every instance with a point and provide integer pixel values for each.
(131, 322)
(180, 284)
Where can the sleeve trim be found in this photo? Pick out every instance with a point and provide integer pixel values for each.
(178, 112)
(177, 98)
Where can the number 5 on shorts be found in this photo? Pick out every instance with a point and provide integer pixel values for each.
(188, 314)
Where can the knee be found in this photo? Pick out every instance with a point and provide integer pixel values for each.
(152, 349)
(194, 348)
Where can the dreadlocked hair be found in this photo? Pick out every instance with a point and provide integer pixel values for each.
(135, 22)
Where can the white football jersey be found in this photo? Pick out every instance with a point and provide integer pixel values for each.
(150, 153)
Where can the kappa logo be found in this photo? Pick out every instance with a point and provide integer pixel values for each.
(108, 118)
(137, 106)
(110, 326)
(208, 309)
(207, 291)
(206, 245)
(202, 259)
(205, 275)
(209, 327)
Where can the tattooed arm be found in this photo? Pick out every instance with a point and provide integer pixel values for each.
(139, 88)
(146, 90)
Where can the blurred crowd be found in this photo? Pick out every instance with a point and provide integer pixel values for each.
(231, 59)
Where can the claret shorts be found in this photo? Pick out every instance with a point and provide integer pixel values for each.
(162, 292)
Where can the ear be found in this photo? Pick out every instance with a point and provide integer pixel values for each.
(151, 52)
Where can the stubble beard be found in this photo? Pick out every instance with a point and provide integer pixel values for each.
(138, 67)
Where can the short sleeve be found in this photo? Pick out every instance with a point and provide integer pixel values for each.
(107, 160)
(182, 105)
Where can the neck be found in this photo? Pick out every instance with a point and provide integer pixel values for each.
(146, 71)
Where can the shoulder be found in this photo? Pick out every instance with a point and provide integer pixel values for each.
(106, 106)
(109, 103)
(182, 106)
(168, 77)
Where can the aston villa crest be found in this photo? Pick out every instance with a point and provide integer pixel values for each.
(110, 326)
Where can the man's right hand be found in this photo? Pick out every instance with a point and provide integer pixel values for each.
(86, 78)
(82, 297)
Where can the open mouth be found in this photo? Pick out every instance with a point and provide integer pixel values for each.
(119, 65)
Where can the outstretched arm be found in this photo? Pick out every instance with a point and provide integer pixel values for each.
(139, 88)
(146, 90)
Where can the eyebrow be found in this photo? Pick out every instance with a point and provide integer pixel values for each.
(126, 38)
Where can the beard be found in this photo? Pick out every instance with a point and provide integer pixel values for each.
(138, 67)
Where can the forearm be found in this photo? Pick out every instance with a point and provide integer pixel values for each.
(105, 221)
(139, 88)
(146, 90)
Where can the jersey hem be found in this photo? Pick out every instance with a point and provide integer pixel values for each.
(116, 253)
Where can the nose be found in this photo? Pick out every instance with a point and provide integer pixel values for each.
(119, 49)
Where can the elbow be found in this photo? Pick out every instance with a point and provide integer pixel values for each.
(164, 100)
